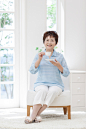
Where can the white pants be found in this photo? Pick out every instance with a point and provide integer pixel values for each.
(46, 94)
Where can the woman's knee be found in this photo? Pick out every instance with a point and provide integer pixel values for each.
(42, 88)
(55, 90)
(44, 91)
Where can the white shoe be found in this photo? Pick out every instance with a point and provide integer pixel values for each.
(28, 120)
(38, 119)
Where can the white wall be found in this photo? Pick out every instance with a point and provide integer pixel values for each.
(36, 26)
(75, 25)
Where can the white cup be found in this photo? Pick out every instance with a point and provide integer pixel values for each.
(47, 53)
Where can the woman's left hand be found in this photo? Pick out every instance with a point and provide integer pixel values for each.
(55, 63)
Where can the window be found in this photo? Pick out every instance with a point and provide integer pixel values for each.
(7, 52)
(55, 21)
(51, 14)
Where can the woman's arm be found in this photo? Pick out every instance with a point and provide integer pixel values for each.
(33, 69)
(60, 68)
(37, 63)
(39, 59)
(66, 71)
(57, 64)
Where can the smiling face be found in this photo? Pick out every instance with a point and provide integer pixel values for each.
(50, 43)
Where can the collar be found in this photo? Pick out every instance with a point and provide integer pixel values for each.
(53, 54)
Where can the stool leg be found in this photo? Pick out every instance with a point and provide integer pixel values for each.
(28, 110)
(65, 110)
(69, 112)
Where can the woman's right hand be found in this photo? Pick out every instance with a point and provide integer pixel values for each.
(39, 59)
(41, 55)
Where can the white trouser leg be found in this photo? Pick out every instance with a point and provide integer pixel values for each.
(41, 92)
(53, 92)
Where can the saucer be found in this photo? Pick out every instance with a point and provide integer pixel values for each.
(50, 59)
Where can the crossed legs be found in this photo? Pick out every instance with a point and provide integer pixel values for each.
(37, 109)
(45, 96)
(41, 92)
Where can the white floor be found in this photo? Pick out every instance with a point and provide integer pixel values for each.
(13, 118)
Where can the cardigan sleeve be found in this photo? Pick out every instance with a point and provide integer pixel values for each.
(32, 69)
(66, 71)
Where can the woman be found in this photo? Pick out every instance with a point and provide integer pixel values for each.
(49, 84)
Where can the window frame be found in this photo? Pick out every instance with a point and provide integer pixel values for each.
(6, 103)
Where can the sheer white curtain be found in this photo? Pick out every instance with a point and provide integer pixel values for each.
(33, 24)
(61, 25)
(36, 26)
(23, 56)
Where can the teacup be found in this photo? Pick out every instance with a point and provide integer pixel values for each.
(47, 53)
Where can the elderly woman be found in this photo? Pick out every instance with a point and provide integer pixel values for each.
(49, 84)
